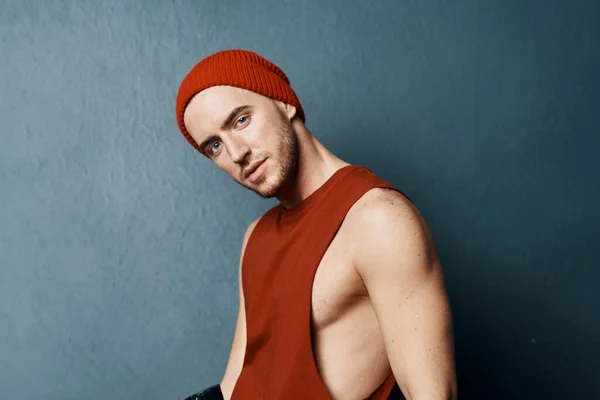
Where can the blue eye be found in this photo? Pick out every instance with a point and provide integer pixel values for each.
(212, 147)
(242, 120)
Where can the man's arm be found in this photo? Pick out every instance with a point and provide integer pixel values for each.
(238, 347)
(396, 258)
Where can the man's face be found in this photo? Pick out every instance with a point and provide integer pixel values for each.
(247, 135)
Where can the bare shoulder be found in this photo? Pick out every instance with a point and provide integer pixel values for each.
(393, 253)
(378, 196)
(385, 217)
(384, 206)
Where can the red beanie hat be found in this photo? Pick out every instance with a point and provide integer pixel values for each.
(240, 68)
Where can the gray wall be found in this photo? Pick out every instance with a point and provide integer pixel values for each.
(119, 244)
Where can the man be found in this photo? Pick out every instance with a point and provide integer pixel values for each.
(341, 291)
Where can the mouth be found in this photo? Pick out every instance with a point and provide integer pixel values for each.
(250, 169)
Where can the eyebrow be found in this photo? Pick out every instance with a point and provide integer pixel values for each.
(234, 113)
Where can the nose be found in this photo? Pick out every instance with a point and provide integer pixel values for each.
(237, 148)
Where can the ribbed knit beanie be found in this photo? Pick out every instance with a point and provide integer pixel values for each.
(239, 68)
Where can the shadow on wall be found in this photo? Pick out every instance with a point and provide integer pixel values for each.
(497, 357)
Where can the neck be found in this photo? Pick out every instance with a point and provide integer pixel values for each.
(316, 164)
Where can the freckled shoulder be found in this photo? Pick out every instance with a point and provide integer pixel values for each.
(382, 215)
(381, 202)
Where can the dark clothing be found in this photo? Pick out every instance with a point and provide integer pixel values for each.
(211, 393)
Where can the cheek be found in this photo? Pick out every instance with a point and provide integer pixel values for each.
(274, 140)
(258, 137)
(263, 137)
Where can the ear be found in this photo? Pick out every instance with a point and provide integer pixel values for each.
(288, 109)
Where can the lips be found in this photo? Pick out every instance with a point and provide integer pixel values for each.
(252, 167)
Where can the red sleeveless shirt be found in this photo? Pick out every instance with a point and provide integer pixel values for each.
(278, 269)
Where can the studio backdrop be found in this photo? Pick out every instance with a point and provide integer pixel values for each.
(119, 244)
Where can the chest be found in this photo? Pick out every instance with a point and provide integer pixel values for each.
(337, 286)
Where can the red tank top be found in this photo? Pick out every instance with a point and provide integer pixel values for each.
(278, 269)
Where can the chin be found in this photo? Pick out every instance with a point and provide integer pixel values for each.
(270, 185)
(267, 189)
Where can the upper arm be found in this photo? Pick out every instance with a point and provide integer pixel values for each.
(238, 346)
(396, 258)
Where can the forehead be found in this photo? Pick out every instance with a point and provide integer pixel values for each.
(208, 109)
